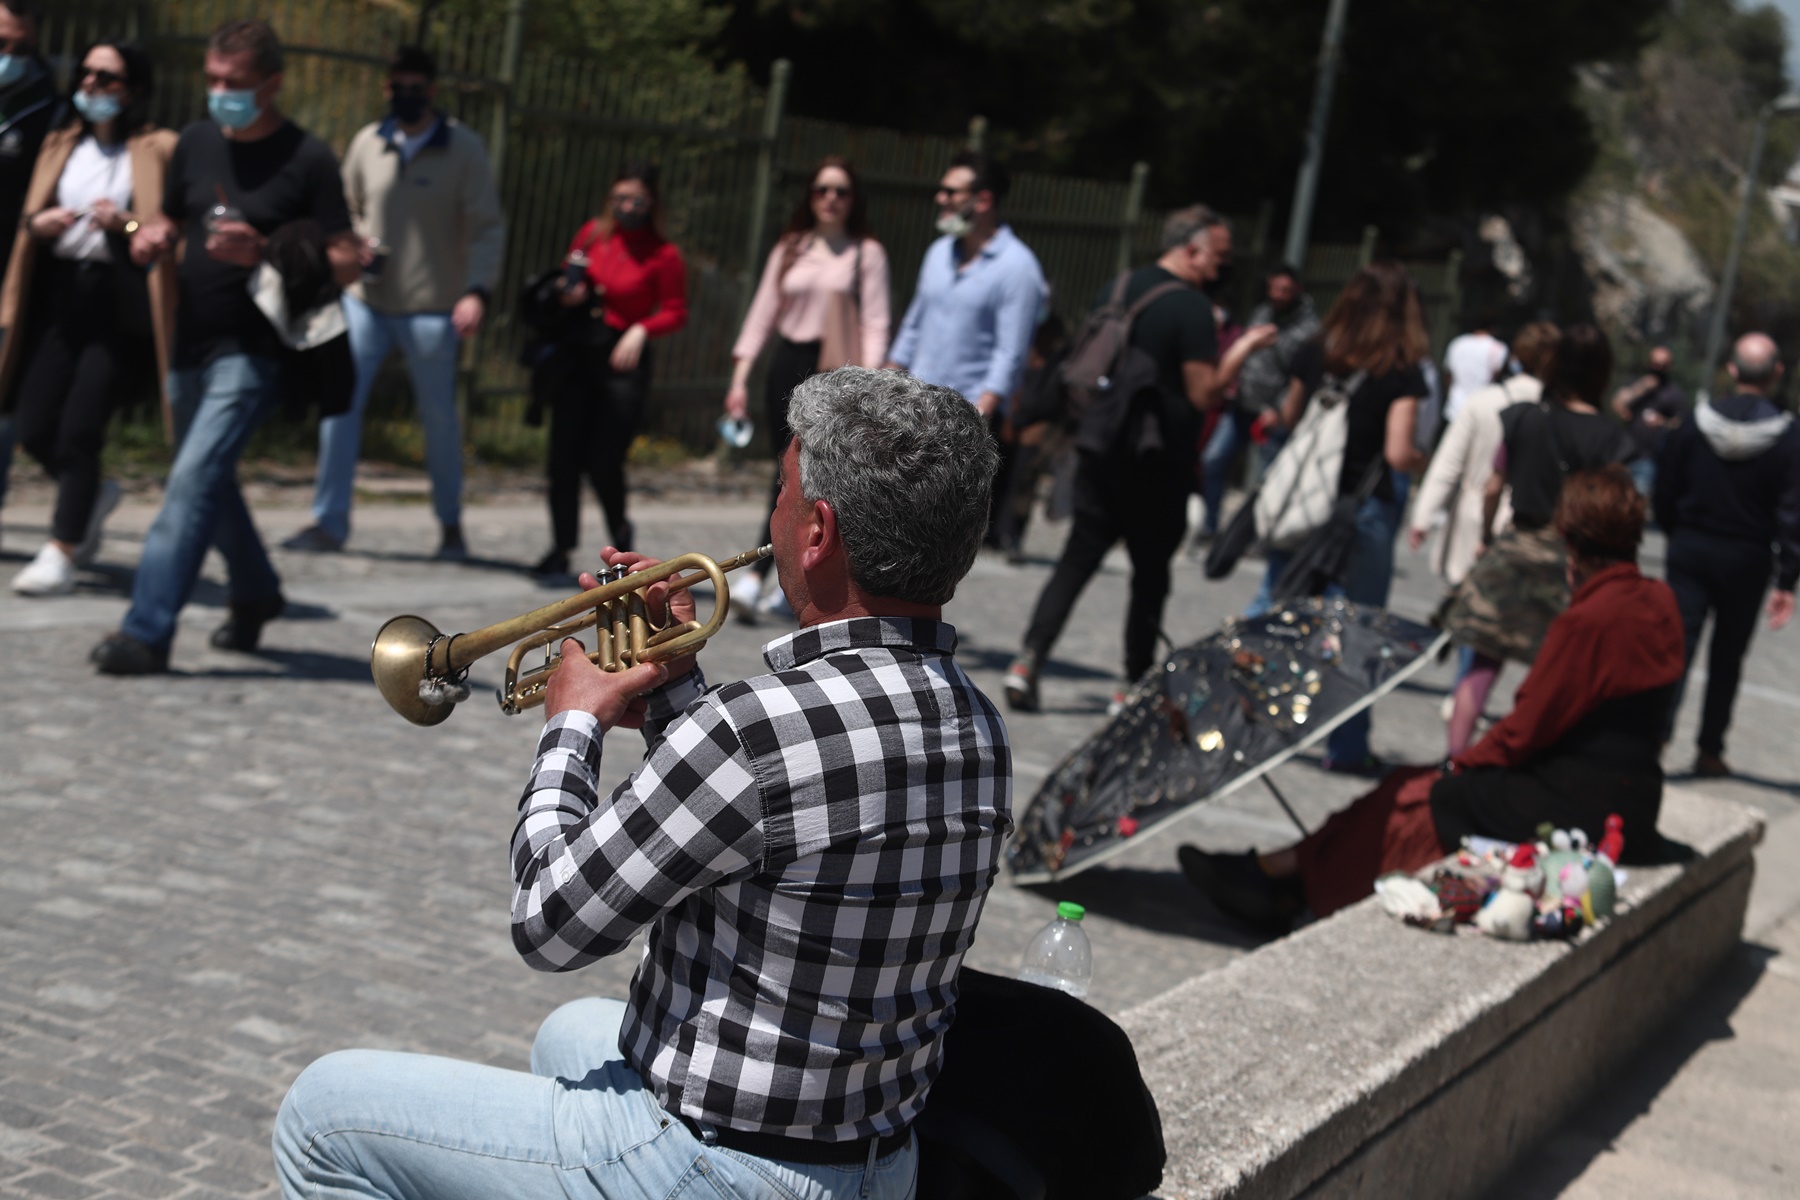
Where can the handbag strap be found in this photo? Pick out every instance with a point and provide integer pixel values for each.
(856, 279)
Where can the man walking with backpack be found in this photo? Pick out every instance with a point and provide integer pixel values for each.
(1139, 426)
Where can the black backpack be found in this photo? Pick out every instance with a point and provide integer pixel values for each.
(1104, 372)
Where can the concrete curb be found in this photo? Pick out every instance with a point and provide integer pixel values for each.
(1363, 1057)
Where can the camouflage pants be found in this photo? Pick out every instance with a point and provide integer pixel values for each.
(1512, 593)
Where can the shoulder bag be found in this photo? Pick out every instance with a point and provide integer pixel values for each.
(1300, 491)
(841, 345)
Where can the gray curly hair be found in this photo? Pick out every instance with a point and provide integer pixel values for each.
(907, 467)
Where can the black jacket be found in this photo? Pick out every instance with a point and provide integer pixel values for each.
(1733, 471)
(26, 110)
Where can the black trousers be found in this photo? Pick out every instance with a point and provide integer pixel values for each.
(1144, 502)
(789, 367)
(1728, 579)
(593, 419)
(68, 384)
(999, 499)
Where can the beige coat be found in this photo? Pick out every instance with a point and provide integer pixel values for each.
(439, 216)
(150, 150)
(1453, 484)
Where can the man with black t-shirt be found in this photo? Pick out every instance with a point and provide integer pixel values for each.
(233, 181)
(1138, 488)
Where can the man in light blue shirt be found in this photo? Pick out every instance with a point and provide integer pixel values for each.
(980, 290)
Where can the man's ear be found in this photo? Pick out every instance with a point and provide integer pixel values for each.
(821, 536)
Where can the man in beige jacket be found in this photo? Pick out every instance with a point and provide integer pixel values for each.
(423, 198)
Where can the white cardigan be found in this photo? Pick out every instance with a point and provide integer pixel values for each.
(1458, 475)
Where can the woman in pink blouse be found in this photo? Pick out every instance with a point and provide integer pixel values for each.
(826, 262)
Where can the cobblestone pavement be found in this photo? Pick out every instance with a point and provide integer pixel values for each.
(210, 878)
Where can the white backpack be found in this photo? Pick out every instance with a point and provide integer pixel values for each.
(1301, 486)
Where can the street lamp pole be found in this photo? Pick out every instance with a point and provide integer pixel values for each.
(1306, 184)
(1715, 331)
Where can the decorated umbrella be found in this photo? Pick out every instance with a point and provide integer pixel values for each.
(1219, 714)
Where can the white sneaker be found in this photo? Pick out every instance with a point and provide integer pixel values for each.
(104, 503)
(746, 590)
(775, 603)
(51, 573)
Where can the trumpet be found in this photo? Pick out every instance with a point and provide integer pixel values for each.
(422, 673)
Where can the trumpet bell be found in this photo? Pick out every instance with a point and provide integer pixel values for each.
(397, 661)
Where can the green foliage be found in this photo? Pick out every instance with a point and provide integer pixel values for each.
(662, 36)
(1440, 107)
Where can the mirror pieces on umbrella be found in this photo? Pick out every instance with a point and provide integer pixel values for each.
(1214, 715)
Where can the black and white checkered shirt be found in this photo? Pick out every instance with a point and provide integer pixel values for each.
(810, 849)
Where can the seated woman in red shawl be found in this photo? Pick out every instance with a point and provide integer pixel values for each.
(1582, 740)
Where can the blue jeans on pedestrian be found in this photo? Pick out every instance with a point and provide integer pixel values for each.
(581, 1124)
(1230, 431)
(1367, 580)
(429, 344)
(8, 439)
(216, 409)
(1643, 473)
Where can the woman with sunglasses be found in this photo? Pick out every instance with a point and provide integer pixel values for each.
(87, 322)
(824, 295)
(625, 284)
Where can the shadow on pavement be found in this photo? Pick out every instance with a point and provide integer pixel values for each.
(1158, 901)
(1792, 788)
(1598, 1121)
(295, 664)
(988, 658)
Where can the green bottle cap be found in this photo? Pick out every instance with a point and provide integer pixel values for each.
(1070, 911)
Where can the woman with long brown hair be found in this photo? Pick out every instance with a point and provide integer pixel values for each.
(86, 326)
(1371, 343)
(632, 282)
(824, 298)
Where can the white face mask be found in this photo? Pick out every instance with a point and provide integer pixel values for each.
(955, 224)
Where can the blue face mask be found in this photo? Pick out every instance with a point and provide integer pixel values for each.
(12, 68)
(234, 109)
(98, 107)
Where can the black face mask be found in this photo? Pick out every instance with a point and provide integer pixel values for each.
(408, 107)
(631, 218)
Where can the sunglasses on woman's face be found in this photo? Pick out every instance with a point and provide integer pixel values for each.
(831, 189)
(101, 78)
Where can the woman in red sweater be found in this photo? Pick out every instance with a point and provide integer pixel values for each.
(634, 287)
(1583, 739)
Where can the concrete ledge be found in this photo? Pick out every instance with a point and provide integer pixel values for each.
(1362, 1057)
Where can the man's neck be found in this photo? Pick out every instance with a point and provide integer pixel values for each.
(1172, 262)
(257, 130)
(980, 234)
(858, 605)
(423, 124)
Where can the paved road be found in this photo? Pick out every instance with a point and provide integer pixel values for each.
(210, 878)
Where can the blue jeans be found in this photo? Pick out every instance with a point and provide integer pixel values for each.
(216, 408)
(429, 345)
(581, 1124)
(1643, 473)
(1230, 432)
(7, 441)
(1367, 580)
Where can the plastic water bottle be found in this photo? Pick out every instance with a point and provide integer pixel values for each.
(1059, 956)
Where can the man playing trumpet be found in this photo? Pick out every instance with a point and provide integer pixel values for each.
(809, 850)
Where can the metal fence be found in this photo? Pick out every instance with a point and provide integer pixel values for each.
(732, 162)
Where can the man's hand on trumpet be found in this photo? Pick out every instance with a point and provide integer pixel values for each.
(616, 698)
